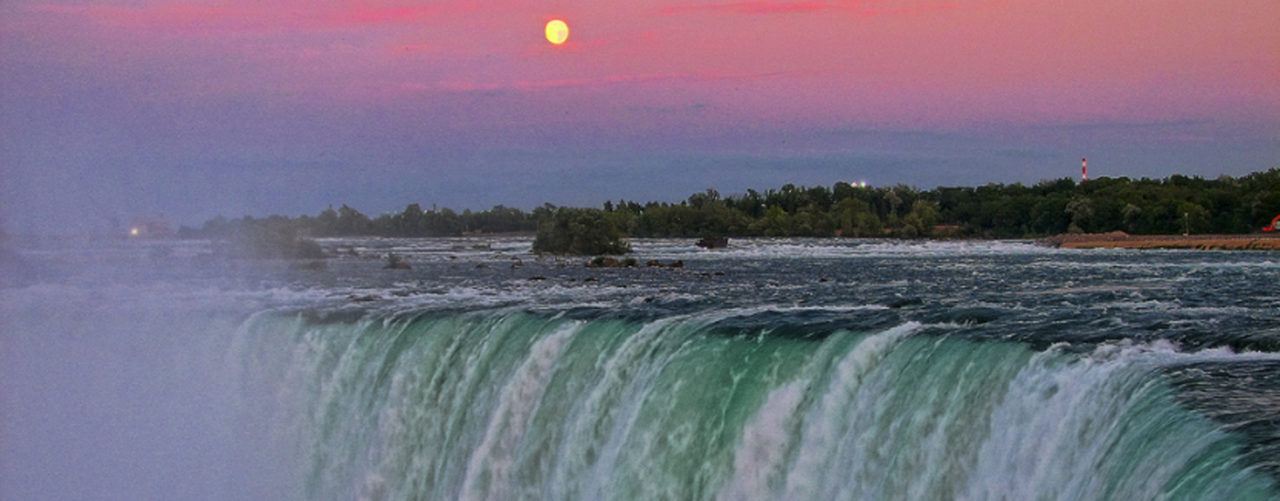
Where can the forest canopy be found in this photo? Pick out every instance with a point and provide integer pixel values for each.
(1172, 205)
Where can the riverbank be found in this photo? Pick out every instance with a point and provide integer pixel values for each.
(1122, 240)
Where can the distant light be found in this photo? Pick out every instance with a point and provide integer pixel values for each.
(862, 184)
(133, 232)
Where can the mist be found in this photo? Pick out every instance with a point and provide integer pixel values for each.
(118, 384)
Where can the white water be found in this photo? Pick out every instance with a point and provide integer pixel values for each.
(189, 390)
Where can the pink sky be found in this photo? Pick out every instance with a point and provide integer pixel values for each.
(670, 79)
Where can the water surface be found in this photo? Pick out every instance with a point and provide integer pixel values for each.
(775, 369)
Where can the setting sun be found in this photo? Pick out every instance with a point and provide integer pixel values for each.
(557, 31)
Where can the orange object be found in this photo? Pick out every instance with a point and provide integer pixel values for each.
(1273, 224)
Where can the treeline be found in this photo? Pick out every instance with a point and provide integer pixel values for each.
(1138, 206)
(413, 221)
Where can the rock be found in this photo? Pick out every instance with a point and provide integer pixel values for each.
(903, 302)
(679, 263)
(395, 262)
(713, 242)
(537, 277)
(603, 262)
(971, 316)
(653, 262)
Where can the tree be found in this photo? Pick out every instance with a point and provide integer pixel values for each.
(700, 200)
(1195, 218)
(1131, 214)
(578, 232)
(1080, 209)
(775, 223)
(1139, 206)
(856, 219)
(351, 222)
(921, 220)
(409, 222)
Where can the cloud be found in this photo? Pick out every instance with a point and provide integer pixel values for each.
(414, 48)
(858, 7)
(697, 107)
(395, 14)
(759, 7)
(172, 15)
(1128, 124)
(529, 85)
(463, 86)
(244, 16)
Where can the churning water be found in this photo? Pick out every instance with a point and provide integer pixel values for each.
(775, 369)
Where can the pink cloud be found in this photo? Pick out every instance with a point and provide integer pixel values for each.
(466, 86)
(390, 14)
(414, 48)
(268, 17)
(860, 7)
(169, 14)
(759, 7)
(528, 85)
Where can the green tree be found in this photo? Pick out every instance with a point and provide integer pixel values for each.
(1131, 214)
(578, 232)
(921, 220)
(856, 219)
(1080, 209)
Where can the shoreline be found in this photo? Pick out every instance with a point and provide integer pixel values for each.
(1122, 240)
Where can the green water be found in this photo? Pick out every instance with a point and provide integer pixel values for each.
(510, 405)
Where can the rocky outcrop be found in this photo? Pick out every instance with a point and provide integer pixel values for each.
(395, 262)
(713, 242)
(610, 262)
(603, 262)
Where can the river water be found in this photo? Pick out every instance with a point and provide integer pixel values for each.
(774, 369)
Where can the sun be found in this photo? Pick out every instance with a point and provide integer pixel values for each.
(557, 31)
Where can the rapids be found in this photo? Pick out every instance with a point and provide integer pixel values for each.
(778, 369)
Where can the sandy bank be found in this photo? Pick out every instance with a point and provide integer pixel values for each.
(1122, 240)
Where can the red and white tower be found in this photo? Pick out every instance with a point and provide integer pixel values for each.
(1084, 169)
